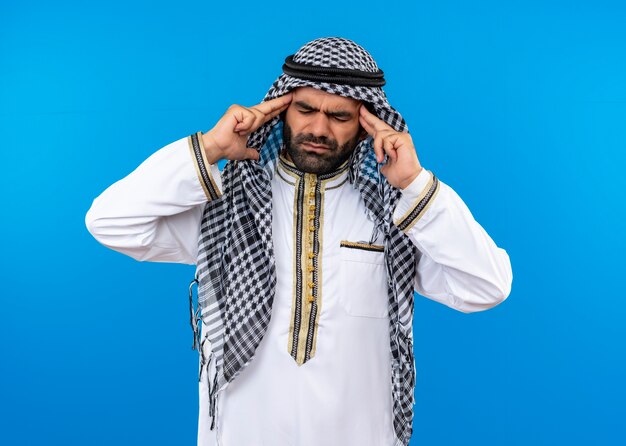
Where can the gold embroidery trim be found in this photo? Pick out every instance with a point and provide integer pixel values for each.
(207, 167)
(319, 302)
(359, 245)
(418, 216)
(310, 265)
(402, 220)
(307, 261)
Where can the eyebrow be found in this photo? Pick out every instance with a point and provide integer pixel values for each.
(336, 114)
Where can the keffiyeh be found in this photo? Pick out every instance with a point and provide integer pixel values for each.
(236, 273)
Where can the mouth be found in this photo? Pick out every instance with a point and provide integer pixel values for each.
(315, 147)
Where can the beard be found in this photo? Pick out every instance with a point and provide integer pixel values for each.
(318, 163)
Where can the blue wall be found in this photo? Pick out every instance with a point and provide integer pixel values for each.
(519, 106)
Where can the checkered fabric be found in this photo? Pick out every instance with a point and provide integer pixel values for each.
(236, 271)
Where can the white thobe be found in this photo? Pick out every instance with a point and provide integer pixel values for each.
(341, 395)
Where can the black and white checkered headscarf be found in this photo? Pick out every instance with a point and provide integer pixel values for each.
(236, 271)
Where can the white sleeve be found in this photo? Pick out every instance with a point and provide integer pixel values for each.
(154, 213)
(459, 265)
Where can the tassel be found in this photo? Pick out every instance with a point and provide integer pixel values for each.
(212, 391)
(194, 321)
(193, 316)
(202, 360)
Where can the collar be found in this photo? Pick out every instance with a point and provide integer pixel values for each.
(288, 172)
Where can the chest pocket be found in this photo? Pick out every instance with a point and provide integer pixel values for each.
(363, 280)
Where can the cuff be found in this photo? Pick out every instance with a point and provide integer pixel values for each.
(206, 172)
(416, 199)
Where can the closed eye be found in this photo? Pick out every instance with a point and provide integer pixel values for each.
(341, 118)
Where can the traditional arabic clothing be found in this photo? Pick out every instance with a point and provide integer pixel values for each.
(305, 282)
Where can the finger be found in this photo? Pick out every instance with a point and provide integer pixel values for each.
(377, 143)
(384, 170)
(262, 118)
(367, 126)
(276, 112)
(245, 120)
(258, 117)
(269, 116)
(252, 154)
(378, 148)
(374, 121)
(389, 143)
(274, 105)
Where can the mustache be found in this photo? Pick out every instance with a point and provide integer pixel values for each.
(319, 140)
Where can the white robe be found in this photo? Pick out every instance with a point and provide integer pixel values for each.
(342, 394)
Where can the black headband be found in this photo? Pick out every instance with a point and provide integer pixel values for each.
(333, 75)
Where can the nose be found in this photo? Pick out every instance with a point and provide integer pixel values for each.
(318, 125)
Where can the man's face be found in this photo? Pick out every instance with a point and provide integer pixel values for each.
(321, 129)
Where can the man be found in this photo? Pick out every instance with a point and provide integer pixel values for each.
(308, 248)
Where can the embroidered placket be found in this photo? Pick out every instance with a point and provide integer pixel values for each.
(306, 303)
(307, 261)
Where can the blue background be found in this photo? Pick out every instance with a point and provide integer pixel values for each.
(519, 106)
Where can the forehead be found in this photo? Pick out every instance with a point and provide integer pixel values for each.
(318, 99)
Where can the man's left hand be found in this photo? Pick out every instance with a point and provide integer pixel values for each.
(402, 164)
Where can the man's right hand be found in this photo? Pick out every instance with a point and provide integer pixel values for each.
(227, 140)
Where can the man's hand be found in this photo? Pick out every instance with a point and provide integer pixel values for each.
(402, 164)
(227, 140)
